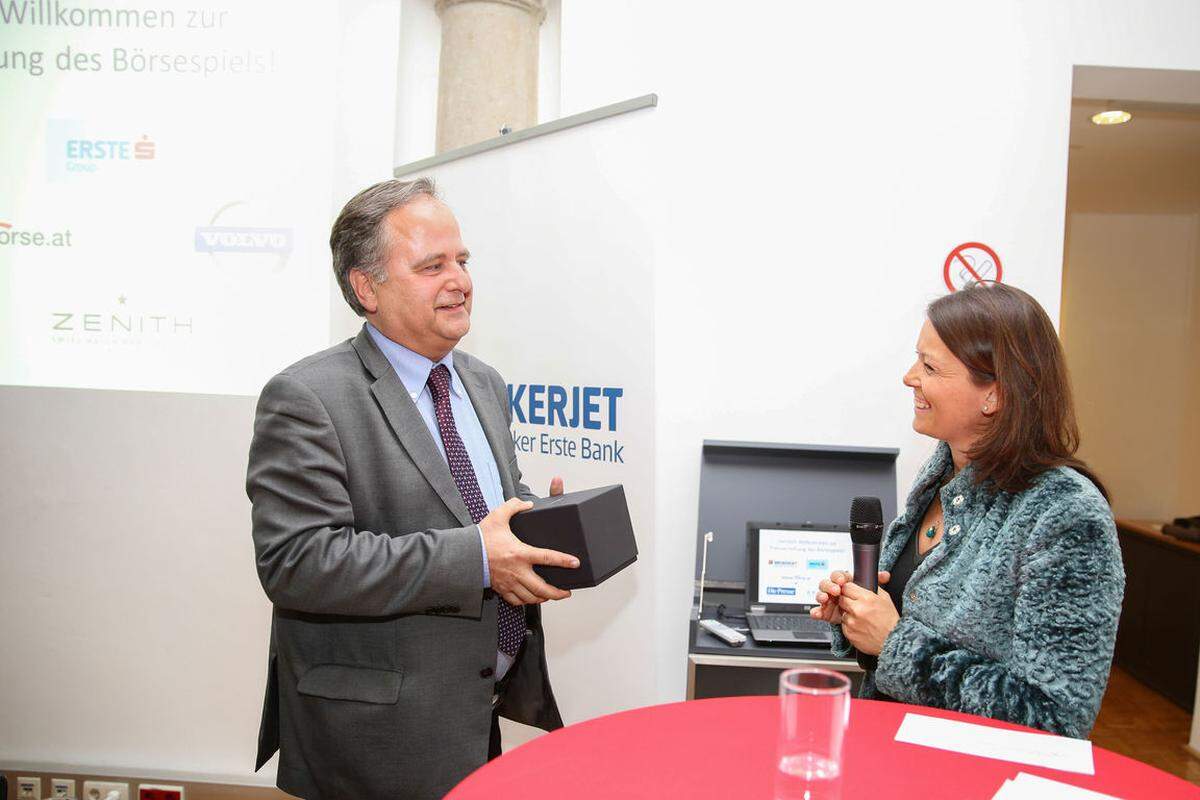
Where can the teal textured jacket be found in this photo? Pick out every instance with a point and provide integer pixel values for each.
(1013, 615)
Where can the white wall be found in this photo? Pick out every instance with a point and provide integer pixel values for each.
(135, 631)
(821, 161)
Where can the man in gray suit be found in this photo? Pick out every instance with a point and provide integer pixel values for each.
(383, 477)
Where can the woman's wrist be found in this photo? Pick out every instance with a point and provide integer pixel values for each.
(883, 643)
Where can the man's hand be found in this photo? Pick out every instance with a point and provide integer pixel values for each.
(556, 486)
(511, 561)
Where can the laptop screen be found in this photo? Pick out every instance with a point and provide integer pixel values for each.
(791, 563)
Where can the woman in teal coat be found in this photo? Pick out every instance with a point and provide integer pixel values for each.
(1002, 579)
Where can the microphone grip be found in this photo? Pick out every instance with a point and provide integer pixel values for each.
(866, 575)
(866, 566)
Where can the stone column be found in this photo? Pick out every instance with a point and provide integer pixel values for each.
(487, 77)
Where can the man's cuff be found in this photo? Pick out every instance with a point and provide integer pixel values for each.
(487, 575)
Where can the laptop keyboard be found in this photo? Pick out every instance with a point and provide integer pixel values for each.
(786, 622)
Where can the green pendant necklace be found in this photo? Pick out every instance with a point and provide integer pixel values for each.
(932, 532)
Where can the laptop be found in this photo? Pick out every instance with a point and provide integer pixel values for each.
(785, 563)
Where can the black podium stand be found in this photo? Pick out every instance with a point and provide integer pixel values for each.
(793, 483)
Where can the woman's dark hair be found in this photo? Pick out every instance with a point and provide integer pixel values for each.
(1003, 335)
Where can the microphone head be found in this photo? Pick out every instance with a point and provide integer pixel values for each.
(866, 511)
(866, 521)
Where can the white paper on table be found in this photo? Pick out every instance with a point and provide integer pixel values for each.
(1033, 787)
(1038, 749)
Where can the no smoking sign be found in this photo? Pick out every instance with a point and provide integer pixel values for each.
(969, 262)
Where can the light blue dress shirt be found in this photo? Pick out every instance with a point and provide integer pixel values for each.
(413, 370)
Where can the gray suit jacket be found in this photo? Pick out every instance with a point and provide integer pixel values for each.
(383, 640)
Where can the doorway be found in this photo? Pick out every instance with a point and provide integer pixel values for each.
(1131, 331)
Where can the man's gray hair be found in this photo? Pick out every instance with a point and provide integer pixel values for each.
(360, 240)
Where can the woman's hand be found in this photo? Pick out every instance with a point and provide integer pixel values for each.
(867, 618)
(830, 592)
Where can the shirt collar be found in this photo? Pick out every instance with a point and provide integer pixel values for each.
(413, 368)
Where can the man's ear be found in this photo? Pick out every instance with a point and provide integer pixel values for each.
(364, 290)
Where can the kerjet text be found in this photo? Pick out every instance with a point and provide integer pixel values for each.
(590, 407)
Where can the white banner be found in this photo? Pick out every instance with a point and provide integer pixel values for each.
(559, 229)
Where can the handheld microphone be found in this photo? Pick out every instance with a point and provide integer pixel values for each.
(866, 531)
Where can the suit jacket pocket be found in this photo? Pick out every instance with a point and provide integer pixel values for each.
(344, 682)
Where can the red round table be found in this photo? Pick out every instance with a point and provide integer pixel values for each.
(725, 748)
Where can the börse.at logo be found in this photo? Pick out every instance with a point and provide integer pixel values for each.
(14, 236)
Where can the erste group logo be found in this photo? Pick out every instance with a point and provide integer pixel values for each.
(92, 150)
(73, 148)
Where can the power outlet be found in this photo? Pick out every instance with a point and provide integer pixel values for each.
(29, 789)
(62, 789)
(104, 790)
(152, 791)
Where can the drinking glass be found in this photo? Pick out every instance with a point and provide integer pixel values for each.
(814, 710)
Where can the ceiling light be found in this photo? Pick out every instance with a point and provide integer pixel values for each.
(1113, 117)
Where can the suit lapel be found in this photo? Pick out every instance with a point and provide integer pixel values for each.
(402, 414)
(495, 427)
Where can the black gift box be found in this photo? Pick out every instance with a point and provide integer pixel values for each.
(592, 525)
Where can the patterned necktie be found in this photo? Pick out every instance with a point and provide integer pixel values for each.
(511, 619)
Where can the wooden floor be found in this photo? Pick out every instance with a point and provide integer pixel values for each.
(1138, 722)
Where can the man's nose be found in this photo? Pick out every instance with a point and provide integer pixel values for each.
(458, 278)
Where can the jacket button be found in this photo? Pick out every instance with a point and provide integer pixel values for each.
(486, 672)
(954, 529)
(957, 501)
(912, 595)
